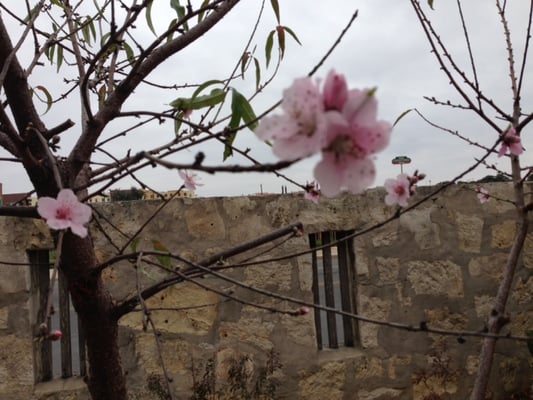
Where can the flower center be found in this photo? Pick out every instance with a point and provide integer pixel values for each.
(63, 213)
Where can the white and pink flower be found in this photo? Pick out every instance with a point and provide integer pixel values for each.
(511, 143)
(340, 123)
(190, 179)
(64, 212)
(483, 195)
(398, 190)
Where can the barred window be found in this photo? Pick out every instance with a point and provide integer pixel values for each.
(55, 359)
(333, 286)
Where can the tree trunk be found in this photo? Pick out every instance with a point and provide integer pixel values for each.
(94, 306)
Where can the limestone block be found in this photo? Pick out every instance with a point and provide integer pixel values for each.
(204, 222)
(305, 274)
(431, 386)
(444, 319)
(253, 330)
(523, 291)
(488, 266)
(397, 363)
(503, 234)
(13, 279)
(369, 367)
(483, 305)
(375, 308)
(469, 231)
(361, 259)
(388, 270)
(16, 367)
(386, 237)
(276, 276)
(300, 330)
(441, 277)
(225, 359)
(326, 383)
(176, 354)
(472, 364)
(181, 313)
(379, 394)
(3, 317)
(425, 231)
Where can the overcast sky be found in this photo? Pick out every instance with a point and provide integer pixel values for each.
(385, 48)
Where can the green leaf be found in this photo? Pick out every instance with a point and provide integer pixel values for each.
(244, 61)
(180, 10)
(177, 122)
(268, 47)
(401, 116)
(59, 57)
(149, 17)
(275, 7)
(228, 150)
(257, 73)
(281, 40)
(291, 32)
(430, 3)
(49, 99)
(163, 259)
(201, 14)
(129, 52)
(57, 3)
(86, 32)
(32, 13)
(241, 109)
(195, 103)
(102, 94)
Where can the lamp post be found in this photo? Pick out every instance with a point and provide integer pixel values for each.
(401, 160)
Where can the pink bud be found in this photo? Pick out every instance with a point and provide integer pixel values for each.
(54, 335)
(304, 310)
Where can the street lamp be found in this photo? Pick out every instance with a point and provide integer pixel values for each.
(401, 160)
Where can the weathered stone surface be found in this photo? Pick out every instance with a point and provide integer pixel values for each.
(436, 277)
(433, 385)
(488, 266)
(269, 275)
(469, 231)
(366, 368)
(176, 354)
(425, 231)
(326, 383)
(528, 251)
(483, 305)
(253, 330)
(388, 270)
(379, 394)
(375, 308)
(397, 364)
(204, 222)
(16, 366)
(181, 313)
(386, 237)
(444, 319)
(523, 291)
(3, 317)
(503, 234)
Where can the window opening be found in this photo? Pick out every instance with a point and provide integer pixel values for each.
(333, 286)
(66, 357)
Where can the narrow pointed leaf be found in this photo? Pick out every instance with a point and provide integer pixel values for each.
(241, 107)
(430, 3)
(257, 73)
(149, 17)
(216, 96)
(48, 97)
(275, 7)
(291, 32)
(281, 40)
(129, 52)
(59, 60)
(244, 61)
(268, 47)
(163, 259)
(201, 14)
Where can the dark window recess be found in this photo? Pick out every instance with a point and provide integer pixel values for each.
(66, 357)
(333, 286)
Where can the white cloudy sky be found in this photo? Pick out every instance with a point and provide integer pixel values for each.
(385, 48)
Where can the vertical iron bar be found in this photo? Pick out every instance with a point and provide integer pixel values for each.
(81, 347)
(345, 286)
(329, 290)
(316, 295)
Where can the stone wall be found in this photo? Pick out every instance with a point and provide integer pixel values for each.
(439, 263)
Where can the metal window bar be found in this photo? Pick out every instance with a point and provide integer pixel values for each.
(333, 286)
(66, 358)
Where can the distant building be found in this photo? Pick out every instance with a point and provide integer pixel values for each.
(99, 198)
(151, 195)
(16, 199)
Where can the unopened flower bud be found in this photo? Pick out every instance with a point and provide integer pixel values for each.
(54, 335)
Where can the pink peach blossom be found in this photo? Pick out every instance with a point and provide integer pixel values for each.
(65, 212)
(312, 192)
(335, 91)
(300, 132)
(483, 195)
(54, 335)
(190, 179)
(511, 143)
(398, 190)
